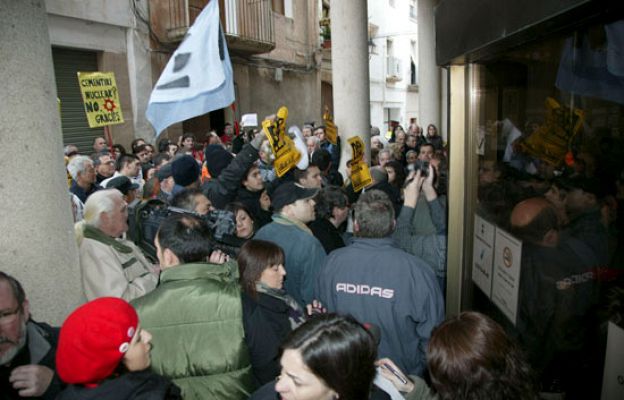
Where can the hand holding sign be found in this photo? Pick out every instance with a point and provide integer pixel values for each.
(286, 154)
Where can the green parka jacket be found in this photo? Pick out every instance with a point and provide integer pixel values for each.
(195, 318)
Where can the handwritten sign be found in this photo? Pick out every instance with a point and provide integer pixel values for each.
(360, 174)
(286, 154)
(100, 97)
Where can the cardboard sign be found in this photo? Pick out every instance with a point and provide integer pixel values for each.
(249, 120)
(100, 97)
(331, 131)
(360, 174)
(358, 147)
(286, 154)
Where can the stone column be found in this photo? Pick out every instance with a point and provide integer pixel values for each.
(428, 71)
(37, 244)
(350, 80)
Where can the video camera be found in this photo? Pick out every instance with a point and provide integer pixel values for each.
(149, 216)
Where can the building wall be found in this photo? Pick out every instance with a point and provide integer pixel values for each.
(297, 54)
(111, 29)
(393, 23)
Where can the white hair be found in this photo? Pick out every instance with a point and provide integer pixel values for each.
(102, 201)
(78, 165)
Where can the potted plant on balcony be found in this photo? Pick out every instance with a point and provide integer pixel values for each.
(325, 33)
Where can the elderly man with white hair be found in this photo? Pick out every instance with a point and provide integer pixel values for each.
(83, 176)
(110, 265)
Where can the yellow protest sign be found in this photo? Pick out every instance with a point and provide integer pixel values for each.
(100, 97)
(360, 174)
(286, 154)
(552, 140)
(331, 131)
(358, 147)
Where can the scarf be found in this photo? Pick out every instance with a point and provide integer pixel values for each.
(296, 315)
(96, 234)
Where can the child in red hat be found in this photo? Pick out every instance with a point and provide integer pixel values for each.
(104, 354)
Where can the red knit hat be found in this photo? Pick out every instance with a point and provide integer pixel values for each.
(94, 339)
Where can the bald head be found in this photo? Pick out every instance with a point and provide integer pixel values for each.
(535, 220)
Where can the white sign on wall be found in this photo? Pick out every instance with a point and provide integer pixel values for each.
(506, 273)
(613, 381)
(483, 254)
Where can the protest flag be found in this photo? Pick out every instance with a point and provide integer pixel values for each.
(198, 78)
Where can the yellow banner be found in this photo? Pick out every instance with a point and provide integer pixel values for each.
(331, 131)
(286, 154)
(360, 176)
(100, 97)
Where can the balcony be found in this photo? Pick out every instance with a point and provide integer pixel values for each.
(247, 24)
(394, 70)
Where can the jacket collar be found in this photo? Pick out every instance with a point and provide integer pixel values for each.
(200, 270)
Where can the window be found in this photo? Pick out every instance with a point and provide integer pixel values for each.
(413, 9)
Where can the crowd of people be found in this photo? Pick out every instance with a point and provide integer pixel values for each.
(209, 277)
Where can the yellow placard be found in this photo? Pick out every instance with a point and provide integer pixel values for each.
(100, 97)
(551, 141)
(331, 131)
(358, 147)
(286, 154)
(360, 176)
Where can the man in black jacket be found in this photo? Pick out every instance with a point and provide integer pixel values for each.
(27, 348)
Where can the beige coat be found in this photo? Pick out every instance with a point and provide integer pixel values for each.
(108, 272)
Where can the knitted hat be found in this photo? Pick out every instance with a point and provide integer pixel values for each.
(94, 339)
(185, 170)
(217, 158)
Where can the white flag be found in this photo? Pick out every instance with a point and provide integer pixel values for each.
(198, 78)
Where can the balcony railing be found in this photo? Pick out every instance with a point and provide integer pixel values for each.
(248, 24)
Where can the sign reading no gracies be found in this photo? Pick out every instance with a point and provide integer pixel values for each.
(100, 97)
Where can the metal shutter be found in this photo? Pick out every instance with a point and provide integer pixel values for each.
(67, 63)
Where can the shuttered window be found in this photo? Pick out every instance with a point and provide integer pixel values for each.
(67, 63)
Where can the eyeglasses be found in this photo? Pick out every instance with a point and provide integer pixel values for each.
(8, 317)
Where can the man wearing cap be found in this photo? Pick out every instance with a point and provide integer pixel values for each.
(125, 186)
(294, 208)
(27, 348)
(195, 315)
